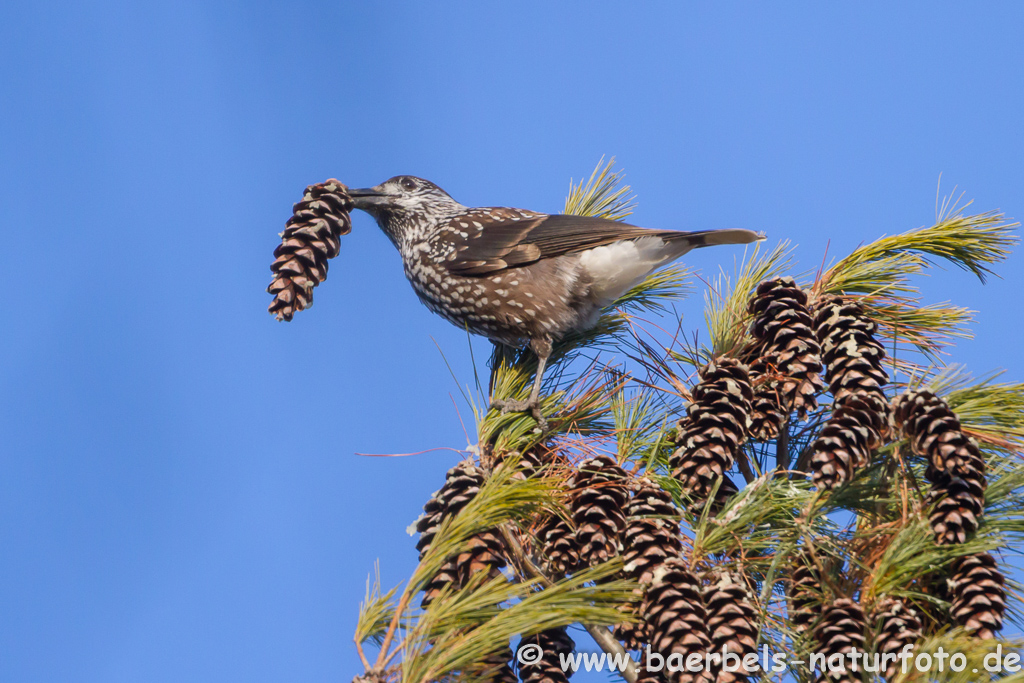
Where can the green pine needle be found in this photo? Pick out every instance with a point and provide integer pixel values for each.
(376, 611)
(603, 195)
(727, 297)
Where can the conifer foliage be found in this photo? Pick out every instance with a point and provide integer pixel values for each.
(812, 480)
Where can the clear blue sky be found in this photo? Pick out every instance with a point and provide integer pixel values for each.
(180, 497)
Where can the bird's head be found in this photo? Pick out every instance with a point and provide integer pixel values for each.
(404, 201)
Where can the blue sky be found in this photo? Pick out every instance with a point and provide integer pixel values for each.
(180, 497)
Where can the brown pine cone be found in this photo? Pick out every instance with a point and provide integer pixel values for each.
(429, 522)
(782, 331)
(957, 508)
(548, 669)
(956, 468)
(841, 447)
(898, 625)
(461, 485)
(979, 596)
(598, 507)
(935, 433)
(534, 460)
(485, 555)
(496, 668)
(804, 593)
(651, 537)
(854, 360)
(311, 236)
(486, 552)
(711, 434)
(840, 630)
(561, 550)
(448, 576)
(676, 617)
(766, 416)
(733, 623)
(652, 531)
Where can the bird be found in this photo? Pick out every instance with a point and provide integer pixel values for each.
(515, 276)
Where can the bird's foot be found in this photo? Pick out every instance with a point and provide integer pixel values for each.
(508, 405)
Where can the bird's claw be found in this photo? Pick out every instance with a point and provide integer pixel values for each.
(527, 406)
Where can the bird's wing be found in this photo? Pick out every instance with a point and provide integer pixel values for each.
(496, 239)
(492, 239)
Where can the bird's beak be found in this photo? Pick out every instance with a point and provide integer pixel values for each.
(365, 197)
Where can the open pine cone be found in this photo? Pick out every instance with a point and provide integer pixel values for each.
(956, 467)
(840, 630)
(713, 431)
(898, 625)
(733, 622)
(311, 236)
(786, 347)
(979, 596)
(677, 618)
(598, 509)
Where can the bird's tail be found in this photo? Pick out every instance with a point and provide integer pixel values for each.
(707, 238)
(678, 243)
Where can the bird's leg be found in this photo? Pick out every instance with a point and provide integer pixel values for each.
(541, 347)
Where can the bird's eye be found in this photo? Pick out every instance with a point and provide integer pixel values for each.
(408, 184)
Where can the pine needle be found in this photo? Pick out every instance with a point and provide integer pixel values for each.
(727, 297)
(973, 243)
(603, 195)
(375, 611)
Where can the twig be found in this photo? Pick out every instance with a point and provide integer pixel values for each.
(362, 655)
(601, 635)
(744, 465)
(782, 448)
(383, 658)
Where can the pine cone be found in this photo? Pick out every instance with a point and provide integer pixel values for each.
(485, 555)
(840, 630)
(732, 623)
(461, 485)
(531, 461)
(597, 509)
(651, 537)
(782, 331)
(766, 416)
(956, 468)
(534, 461)
(311, 236)
(652, 531)
(447, 576)
(936, 434)
(548, 669)
(486, 552)
(560, 547)
(804, 593)
(429, 522)
(713, 431)
(676, 617)
(496, 668)
(645, 676)
(898, 625)
(841, 447)
(979, 599)
(957, 508)
(854, 359)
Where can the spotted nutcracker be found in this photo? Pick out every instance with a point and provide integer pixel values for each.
(517, 276)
